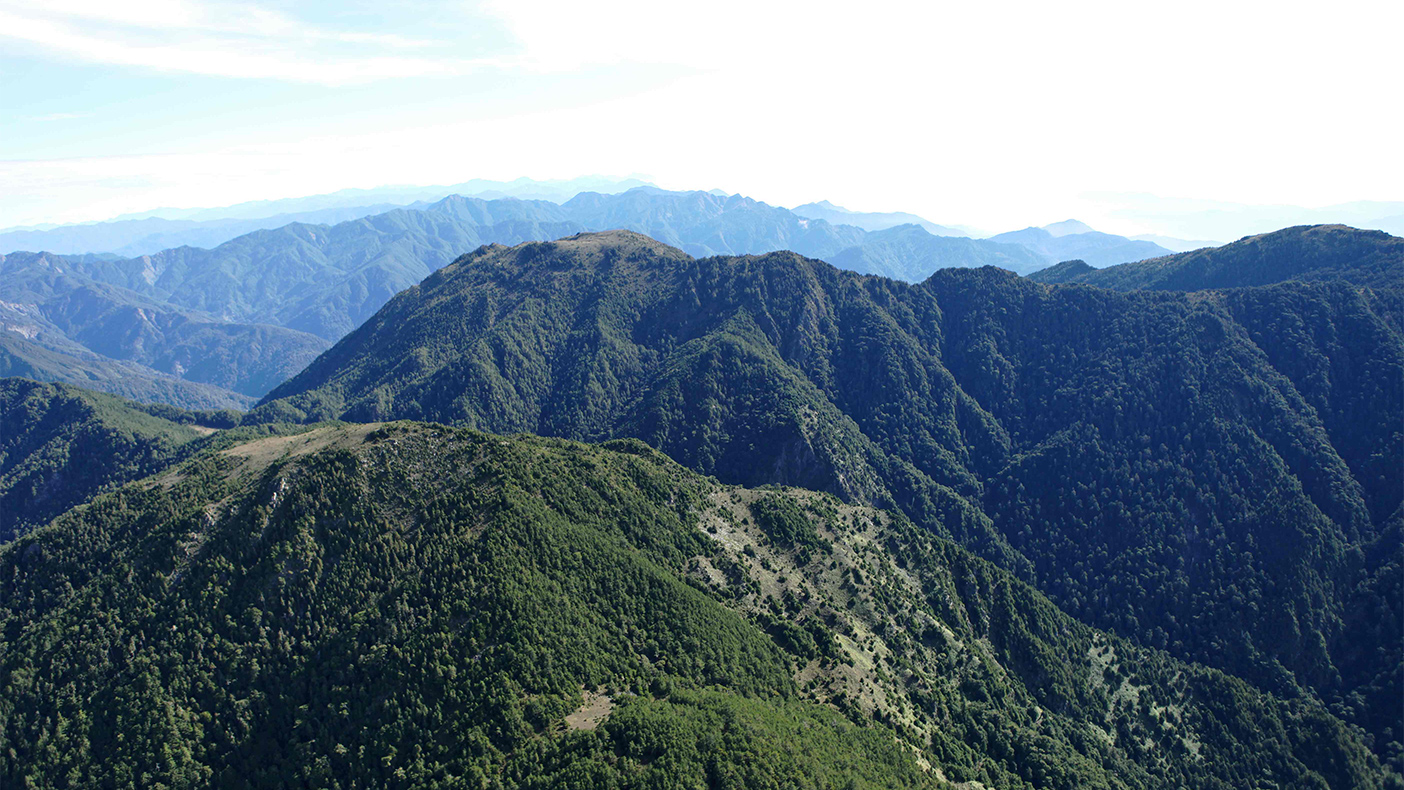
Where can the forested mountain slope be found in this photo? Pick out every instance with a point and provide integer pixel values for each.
(59, 445)
(1176, 467)
(413, 606)
(1313, 253)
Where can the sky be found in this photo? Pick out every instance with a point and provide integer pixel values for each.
(995, 115)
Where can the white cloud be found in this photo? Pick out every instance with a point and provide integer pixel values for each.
(997, 114)
(224, 39)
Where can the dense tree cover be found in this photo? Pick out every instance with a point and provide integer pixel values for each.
(59, 445)
(411, 605)
(45, 300)
(1314, 253)
(1184, 469)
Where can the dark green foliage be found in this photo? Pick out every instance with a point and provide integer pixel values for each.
(1191, 470)
(417, 606)
(1314, 253)
(59, 445)
(786, 524)
(62, 445)
(717, 740)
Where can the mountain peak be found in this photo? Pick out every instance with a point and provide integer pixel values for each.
(1067, 227)
(1306, 252)
(618, 237)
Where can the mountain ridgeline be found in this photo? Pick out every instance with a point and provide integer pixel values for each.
(60, 445)
(327, 279)
(1312, 253)
(220, 327)
(407, 606)
(1072, 240)
(1214, 474)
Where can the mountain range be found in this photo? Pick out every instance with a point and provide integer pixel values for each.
(873, 221)
(52, 316)
(286, 273)
(979, 404)
(978, 528)
(1072, 240)
(245, 309)
(150, 232)
(402, 605)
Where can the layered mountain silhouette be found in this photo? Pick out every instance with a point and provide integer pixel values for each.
(326, 280)
(160, 229)
(910, 253)
(873, 220)
(73, 364)
(405, 605)
(1073, 240)
(69, 320)
(1216, 475)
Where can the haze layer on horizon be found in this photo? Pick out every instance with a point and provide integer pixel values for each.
(996, 116)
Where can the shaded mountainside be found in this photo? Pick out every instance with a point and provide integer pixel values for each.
(70, 363)
(1312, 253)
(411, 605)
(43, 300)
(1176, 467)
(59, 445)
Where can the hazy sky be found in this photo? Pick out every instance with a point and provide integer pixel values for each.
(992, 114)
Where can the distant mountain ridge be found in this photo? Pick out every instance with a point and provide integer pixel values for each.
(73, 364)
(1309, 253)
(47, 302)
(326, 280)
(1071, 239)
(161, 229)
(873, 221)
(135, 237)
(910, 253)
